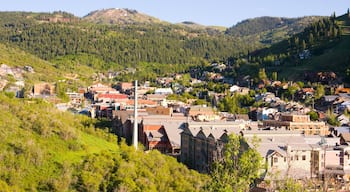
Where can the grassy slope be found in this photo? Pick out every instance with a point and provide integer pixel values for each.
(18, 58)
(37, 140)
(45, 70)
(43, 149)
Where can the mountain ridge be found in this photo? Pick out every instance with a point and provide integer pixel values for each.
(119, 16)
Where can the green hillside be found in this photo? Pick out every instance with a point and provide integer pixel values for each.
(15, 57)
(118, 46)
(335, 54)
(326, 43)
(71, 70)
(43, 149)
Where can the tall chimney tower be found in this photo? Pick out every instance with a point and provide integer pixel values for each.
(135, 132)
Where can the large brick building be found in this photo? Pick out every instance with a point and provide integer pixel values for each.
(302, 123)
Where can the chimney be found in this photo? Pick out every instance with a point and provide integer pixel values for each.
(135, 132)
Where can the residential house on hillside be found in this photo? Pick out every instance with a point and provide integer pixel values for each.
(165, 81)
(75, 98)
(159, 98)
(163, 91)
(264, 113)
(202, 113)
(124, 86)
(111, 98)
(99, 88)
(239, 90)
(44, 89)
(159, 110)
(343, 119)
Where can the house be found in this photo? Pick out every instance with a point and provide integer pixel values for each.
(44, 89)
(111, 98)
(159, 110)
(202, 113)
(159, 98)
(99, 88)
(265, 113)
(239, 90)
(124, 86)
(75, 98)
(343, 119)
(163, 91)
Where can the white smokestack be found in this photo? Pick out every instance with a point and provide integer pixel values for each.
(135, 132)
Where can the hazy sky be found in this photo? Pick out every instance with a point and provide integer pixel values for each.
(206, 12)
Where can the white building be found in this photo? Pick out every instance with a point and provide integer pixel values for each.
(164, 91)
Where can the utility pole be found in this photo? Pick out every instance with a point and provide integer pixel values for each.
(135, 132)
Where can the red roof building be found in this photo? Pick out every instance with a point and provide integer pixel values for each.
(155, 137)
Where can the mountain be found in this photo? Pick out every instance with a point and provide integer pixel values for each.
(129, 39)
(119, 16)
(271, 29)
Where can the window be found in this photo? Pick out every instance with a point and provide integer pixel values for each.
(275, 159)
(285, 159)
(303, 157)
(296, 157)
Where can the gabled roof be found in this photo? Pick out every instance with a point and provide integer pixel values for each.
(279, 151)
(345, 136)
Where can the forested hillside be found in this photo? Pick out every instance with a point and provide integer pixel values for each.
(114, 46)
(323, 46)
(271, 29)
(43, 149)
(106, 46)
(85, 45)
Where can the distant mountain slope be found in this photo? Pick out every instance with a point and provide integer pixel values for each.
(119, 16)
(323, 46)
(271, 29)
(262, 24)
